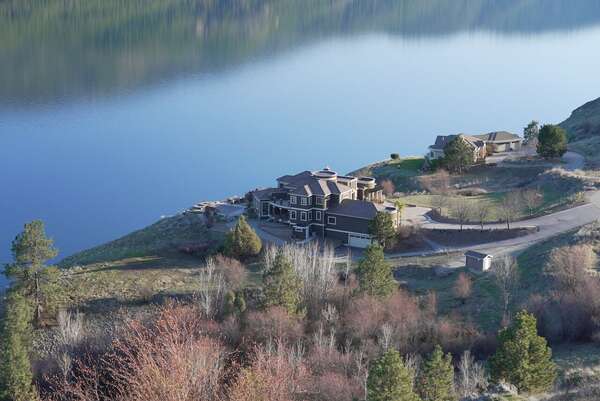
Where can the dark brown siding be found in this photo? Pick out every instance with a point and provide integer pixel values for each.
(350, 224)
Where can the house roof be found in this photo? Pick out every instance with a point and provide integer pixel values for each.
(265, 194)
(443, 140)
(307, 184)
(477, 255)
(355, 208)
(499, 136)
(292, 179)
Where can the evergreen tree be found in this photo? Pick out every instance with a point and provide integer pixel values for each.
(282, 285)
(531, 132)
(375, 274)
(436, 377)
(382, 228)
(31, 250)
(242, 242)
(16, 379)
(458, 155)
(234, 303)
(523, 358)
(552, 141)
(389, 379)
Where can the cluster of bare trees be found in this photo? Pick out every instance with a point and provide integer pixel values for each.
(193, 350)
(315, 265)
(509, 208)
(572, 311)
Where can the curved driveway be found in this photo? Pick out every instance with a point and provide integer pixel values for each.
(547, 226)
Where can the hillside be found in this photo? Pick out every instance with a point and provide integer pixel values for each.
(164, 236)
(583, 127)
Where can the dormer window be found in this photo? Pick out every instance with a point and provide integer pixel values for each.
(293, 199)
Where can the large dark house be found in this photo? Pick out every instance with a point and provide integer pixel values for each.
(325, 205)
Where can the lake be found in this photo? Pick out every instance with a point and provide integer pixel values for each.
(114, 113)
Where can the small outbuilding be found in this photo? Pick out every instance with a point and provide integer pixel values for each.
(478, 261)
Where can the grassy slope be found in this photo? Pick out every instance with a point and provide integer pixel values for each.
(404, 173)
(161, 237)
(583, 127)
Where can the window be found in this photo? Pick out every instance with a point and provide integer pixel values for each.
(318, 215)
(293, 199)
(303, 201)
(331, 220)
(319, 201)
(293, 215)
(303, 216)
(310, 215)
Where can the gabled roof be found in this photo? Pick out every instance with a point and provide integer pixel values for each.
(477, 255)
(355, 208)
(307, 184)
(443, 140)
(499, 136)
(265, 194)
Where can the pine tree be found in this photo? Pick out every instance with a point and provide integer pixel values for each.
(234, 303)
(382, 228)
(523, 357)
(552, 141)
(282, 285)
(375, 274)
(242, 242)
(436, 377)
(31, 250)
(390, 380)
(458, 155)
(16, 379)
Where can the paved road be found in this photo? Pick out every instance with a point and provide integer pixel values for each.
(547, 226)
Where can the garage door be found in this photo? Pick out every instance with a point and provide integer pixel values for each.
(359, 240)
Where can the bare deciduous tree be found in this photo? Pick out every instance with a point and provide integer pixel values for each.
(532, 199)
(388, 187)
(314, 265)
(463, 287)
(571, 265)
(471, 379)
(439, 202)
(436, 183)
(212, 291)
(506, 275)
(70, 334)
(481, 211)
(461, 210)
(510, 207)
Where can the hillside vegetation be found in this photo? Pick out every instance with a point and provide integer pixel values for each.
(583, 128)
(164, 236)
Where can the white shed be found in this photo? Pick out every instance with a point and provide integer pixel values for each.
(478, 261)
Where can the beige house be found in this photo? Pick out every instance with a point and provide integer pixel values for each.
(436, 151)
(482, 145)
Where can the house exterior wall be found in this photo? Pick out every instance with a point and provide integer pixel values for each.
(478, 264)
(348, 224)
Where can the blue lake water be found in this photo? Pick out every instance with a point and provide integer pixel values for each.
(98, 151)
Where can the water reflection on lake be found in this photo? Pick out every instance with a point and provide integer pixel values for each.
(114, 112)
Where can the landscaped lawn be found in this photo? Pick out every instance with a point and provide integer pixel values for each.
(554, 198)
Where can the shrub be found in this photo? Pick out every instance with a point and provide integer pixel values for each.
(395, 156)
(273, 323)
